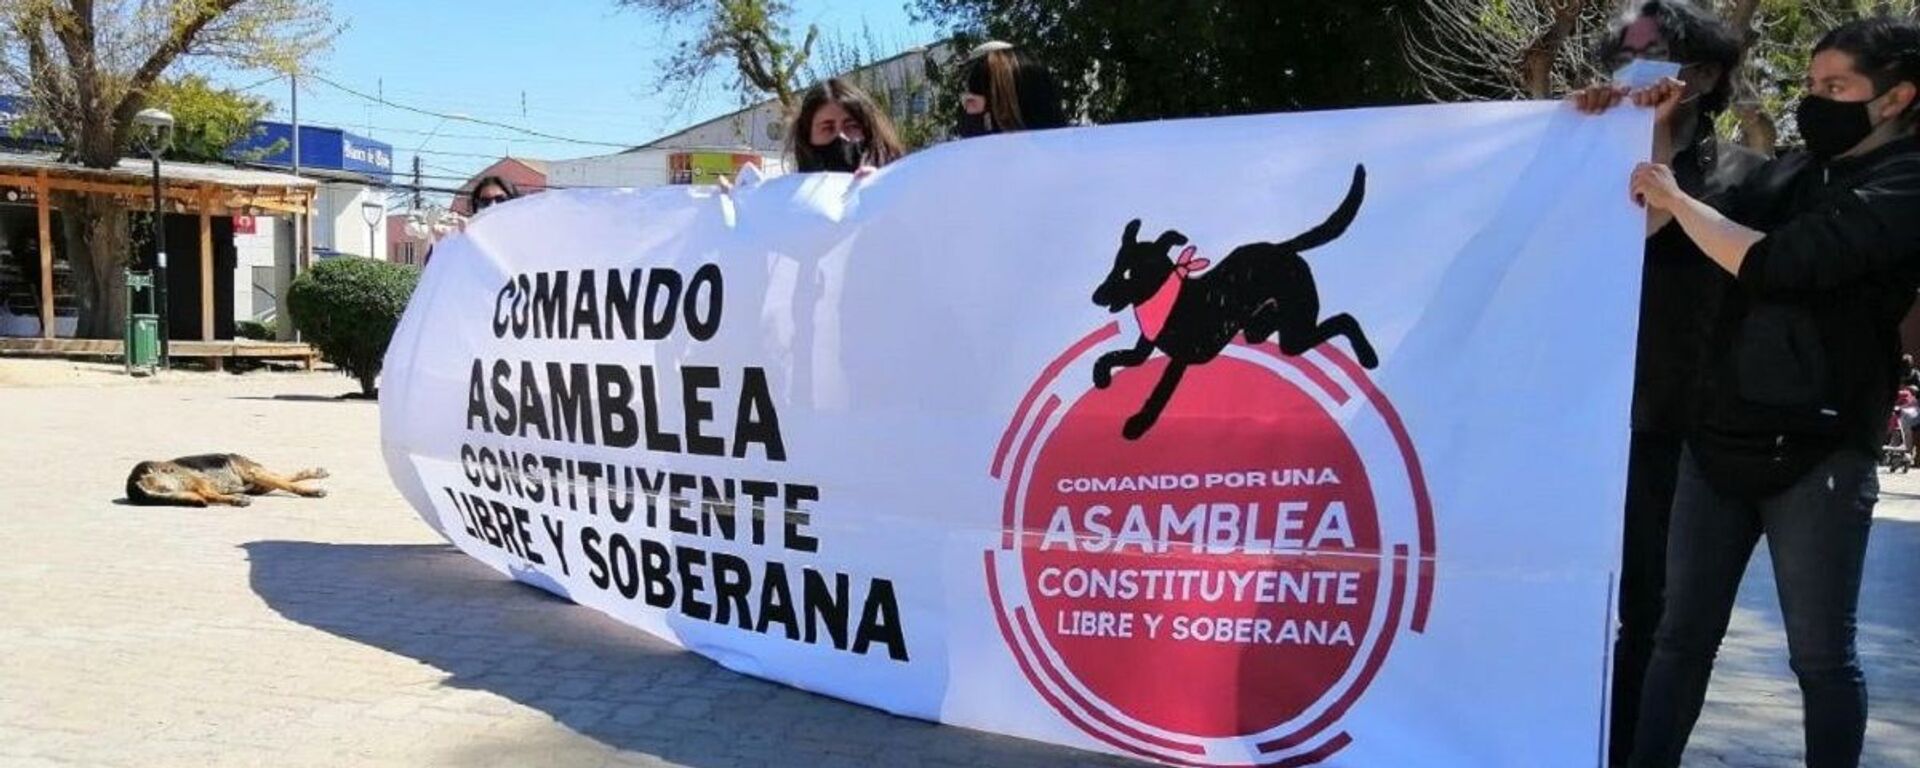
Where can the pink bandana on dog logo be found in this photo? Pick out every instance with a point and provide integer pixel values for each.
(1152, 313)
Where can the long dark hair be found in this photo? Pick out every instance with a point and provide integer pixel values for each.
(1020, 92)
(1692, 36)
(473, 195)
(882, 145)
(1885, 49)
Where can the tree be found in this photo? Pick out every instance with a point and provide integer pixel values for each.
(920, 121)
(348, 307)
(751, 35)
(1505, 49)
(1121, 60)
(88, 66)
(1498, 49)
(1781, 35)
(210, 119)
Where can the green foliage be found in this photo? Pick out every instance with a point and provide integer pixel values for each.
(850, 57)
(209, 119)
(750, 35)
(347, 308)
(1121, 60)
(87, 68)
(255, 330)
(1493, 49)
(1776, 69)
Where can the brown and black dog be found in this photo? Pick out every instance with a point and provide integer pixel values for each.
(215, 478)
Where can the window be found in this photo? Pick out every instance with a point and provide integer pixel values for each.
(264, 302)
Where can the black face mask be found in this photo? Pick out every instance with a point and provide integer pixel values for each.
(1832, 127)
(841, 154)
(972, 125)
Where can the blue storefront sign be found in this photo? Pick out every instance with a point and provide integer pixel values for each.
(13, 113)
(321, 149)
(364, 155)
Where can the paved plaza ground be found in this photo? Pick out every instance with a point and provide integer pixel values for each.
(342, 631)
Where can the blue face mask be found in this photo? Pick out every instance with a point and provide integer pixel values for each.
(1641, 73)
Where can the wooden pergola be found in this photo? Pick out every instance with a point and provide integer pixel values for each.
(208, 190)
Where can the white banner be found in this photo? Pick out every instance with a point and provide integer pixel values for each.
(1277, 440)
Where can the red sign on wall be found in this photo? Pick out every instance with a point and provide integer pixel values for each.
(244, 225)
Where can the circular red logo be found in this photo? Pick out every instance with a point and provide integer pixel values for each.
(1221, 590)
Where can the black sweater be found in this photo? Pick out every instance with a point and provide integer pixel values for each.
(1808, 343)
(1680, 292)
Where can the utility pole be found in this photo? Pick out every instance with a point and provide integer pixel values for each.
(284, 323)
(417, 202)
(300, 220)
(295, 79)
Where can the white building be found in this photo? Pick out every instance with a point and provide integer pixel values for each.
(757, 134)
(349, 217)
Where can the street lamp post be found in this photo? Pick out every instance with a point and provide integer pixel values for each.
(156, 134)
(372, 212)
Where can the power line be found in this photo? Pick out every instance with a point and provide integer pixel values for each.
(398, 184)
(440, 177)
(441, 168)
(481, 137)
(439, 99)
(258, 84)
(444, 153)
(277, 110)
(609, 126)
(468, 119)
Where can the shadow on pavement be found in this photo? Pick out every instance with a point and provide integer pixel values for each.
(1754, 709)
(353, 397)
(1886, 495)
(594, 675)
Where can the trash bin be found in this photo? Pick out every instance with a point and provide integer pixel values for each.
(143, 344)
(142, 349)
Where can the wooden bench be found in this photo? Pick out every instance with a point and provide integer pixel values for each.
(217, 351)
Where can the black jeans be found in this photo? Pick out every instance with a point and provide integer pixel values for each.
(1653, 468)
(1817, 535)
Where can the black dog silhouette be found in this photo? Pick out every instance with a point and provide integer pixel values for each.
(1261, 289)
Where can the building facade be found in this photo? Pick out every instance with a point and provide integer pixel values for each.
(350, 209)
(903, 85)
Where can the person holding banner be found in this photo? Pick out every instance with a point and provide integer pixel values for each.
(490, 191)
(1007, 91)
(840, 128)
(1824, 246)
(1680, 289)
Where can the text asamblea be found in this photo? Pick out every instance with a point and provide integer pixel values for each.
(705, 546)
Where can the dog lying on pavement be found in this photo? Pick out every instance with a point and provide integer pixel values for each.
(217, 478)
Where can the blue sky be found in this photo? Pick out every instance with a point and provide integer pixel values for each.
(583, 69)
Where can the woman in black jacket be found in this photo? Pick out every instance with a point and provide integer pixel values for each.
(1824, 246)
(1007, 91)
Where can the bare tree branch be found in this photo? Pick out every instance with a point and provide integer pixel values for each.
(1537, 62)
(751, 35)
(175, 44)
(89, 65)
(1516, 49)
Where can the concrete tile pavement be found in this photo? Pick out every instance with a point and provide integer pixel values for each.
(342, 632)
